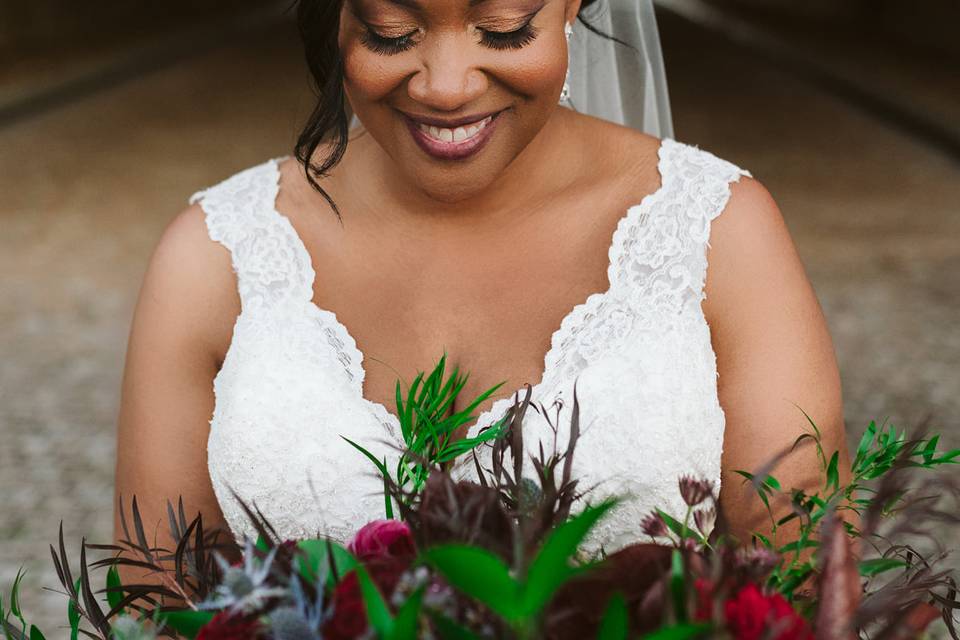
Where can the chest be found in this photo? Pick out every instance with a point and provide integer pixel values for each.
(491, 301)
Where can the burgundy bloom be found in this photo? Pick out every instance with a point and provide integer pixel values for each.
(227, 626)
(386, 550)
(349, 613)
(653, 525)
(751, 614)
(694, 491)
(705, 519)
(383, 539)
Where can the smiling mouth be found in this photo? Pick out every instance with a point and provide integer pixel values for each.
(452, 142)
(458, 135)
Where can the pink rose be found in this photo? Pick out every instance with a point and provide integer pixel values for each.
(383, 539)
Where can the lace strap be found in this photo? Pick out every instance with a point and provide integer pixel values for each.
(240, 214)
(661, 251)
(708, 188)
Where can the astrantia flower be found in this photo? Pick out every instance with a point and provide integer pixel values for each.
(756, 562)
(230, 626)
(705, 519)
(244, 589)
(654, 526)
(694, 490)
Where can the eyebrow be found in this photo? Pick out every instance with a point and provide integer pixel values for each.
(414, 5)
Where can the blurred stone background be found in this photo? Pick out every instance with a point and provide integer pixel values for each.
(112, 115)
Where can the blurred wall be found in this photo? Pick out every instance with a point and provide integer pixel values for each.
(41, 24)
(930, 24)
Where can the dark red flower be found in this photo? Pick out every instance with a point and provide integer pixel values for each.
(349, 613)
(230, 626)
(383, 539)
(386, 549)
(751, 615)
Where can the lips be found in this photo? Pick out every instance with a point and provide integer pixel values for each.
(452, 140)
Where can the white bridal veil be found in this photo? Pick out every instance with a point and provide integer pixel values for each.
(625, 84)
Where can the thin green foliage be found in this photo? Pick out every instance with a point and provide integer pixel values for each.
(880, 451)
(430, 427)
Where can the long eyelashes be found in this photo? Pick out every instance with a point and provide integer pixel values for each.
(386, 46)
(516, 39)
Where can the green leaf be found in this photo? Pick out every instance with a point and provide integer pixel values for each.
(679, 632)
(35, 633)
(763, 539)
(479, 574)
(615, 622)
(877, 566)
(380, 466)
(261, 544)
(833, 472)
(73, 614)
(866, 441)
(677, 527)
(408, 617)
(551, 566)
(677, 590)
(317, 553)
(15, 595)
(114, 588)
(450, 630)
(186, 622)
(797, 545)
(378, 613)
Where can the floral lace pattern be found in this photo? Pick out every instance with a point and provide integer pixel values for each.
(292, 381)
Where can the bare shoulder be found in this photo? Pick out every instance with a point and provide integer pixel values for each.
(750, 246)
(189, 285)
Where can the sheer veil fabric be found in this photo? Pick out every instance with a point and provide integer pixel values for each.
(624, 82)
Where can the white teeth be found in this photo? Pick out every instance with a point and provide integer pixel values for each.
(459, 134)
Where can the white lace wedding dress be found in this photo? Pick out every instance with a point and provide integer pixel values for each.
(640, 352)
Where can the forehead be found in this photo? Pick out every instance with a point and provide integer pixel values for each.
(424, 6)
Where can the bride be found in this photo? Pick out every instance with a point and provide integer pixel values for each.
(507, 200)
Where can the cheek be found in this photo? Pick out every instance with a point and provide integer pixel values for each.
(369, 76)
(537, 72)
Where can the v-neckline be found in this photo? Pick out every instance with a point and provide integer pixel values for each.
(485, 418)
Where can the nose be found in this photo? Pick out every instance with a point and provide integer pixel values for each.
(448, 78)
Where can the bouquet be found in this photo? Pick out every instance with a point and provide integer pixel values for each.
(502, 556)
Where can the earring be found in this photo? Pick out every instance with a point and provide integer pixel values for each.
(565, 92)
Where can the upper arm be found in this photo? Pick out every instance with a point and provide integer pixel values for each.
(774, 354)
(183, 318)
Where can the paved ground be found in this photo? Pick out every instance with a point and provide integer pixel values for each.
(88, 188)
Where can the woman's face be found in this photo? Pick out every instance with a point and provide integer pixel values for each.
(454, 90)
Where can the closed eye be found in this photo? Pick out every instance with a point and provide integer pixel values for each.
(515, 39)
(385, 45)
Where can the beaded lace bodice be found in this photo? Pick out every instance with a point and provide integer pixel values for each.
(640, 353)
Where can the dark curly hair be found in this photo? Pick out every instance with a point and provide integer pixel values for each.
(319, 24)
